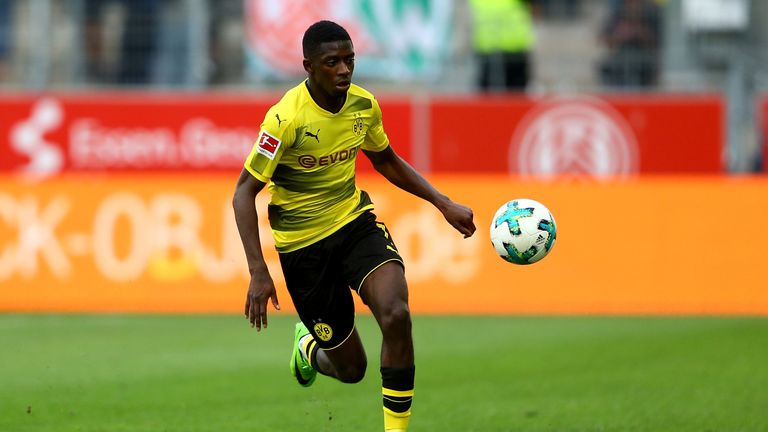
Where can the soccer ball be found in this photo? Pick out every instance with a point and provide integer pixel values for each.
(523, 231)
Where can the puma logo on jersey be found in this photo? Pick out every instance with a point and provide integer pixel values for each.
(279, 122)
(313, 135)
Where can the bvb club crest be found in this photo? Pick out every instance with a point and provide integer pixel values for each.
(357, 125)
(323, 331)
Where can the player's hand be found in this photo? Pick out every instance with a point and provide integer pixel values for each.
(260, 290)
(460, 217)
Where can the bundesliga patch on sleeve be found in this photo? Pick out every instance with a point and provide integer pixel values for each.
(268, 145)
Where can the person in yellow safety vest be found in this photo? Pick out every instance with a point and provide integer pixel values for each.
(502, 36)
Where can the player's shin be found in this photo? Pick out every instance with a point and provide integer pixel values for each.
(397, 393)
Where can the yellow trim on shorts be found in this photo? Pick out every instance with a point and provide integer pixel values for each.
(342, 342)
(374, 269)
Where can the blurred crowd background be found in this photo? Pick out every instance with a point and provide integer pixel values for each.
(449, 46)
(578, 44)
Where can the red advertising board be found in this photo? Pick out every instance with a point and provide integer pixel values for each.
(578, 135)
(130, 132)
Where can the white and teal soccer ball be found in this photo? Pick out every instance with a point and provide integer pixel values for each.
(523, 231)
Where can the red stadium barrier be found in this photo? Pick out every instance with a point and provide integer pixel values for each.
(128, 132)
(134, 132)
(179, 133)
(614, 135)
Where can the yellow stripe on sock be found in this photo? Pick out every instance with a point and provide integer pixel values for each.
(311, 348)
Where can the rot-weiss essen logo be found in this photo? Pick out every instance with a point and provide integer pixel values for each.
(268, 145)
(576, 136)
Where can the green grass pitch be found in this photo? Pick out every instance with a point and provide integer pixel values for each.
(104, 373)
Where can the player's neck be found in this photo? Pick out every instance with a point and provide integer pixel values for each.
(324, 100)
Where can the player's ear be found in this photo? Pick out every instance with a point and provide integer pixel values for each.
(307, 65)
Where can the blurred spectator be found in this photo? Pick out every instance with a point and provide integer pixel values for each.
(502, 35)
(181, 58)
(135, 33)
(632, 35)
(5, 37)
(138, 41)
(557, 8)
(199, 43)
(227, 51)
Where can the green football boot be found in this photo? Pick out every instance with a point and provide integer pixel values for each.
(300, 366)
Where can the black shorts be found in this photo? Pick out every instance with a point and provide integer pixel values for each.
(320, 276)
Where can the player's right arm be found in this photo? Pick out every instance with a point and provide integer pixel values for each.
(275, 136)
(261, 287)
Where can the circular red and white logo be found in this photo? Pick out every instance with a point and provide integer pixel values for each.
(574, 136)
(274, 29)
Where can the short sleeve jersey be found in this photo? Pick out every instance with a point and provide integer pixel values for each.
(307, 155)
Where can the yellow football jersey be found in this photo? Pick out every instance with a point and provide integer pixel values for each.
(307, 155)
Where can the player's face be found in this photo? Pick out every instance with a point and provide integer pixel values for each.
(331, 69)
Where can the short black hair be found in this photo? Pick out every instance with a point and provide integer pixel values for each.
(321, 32)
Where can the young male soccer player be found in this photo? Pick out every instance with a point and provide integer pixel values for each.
(328, 239)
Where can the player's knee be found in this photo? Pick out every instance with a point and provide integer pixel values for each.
(352, 373)
(396, 318)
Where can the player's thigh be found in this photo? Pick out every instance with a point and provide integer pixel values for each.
(385, 290)
(320, 293)
(373, 265)
(368, 245)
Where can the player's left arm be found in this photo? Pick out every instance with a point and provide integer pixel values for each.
(390, 165)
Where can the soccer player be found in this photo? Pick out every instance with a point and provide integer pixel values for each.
(325, 232)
